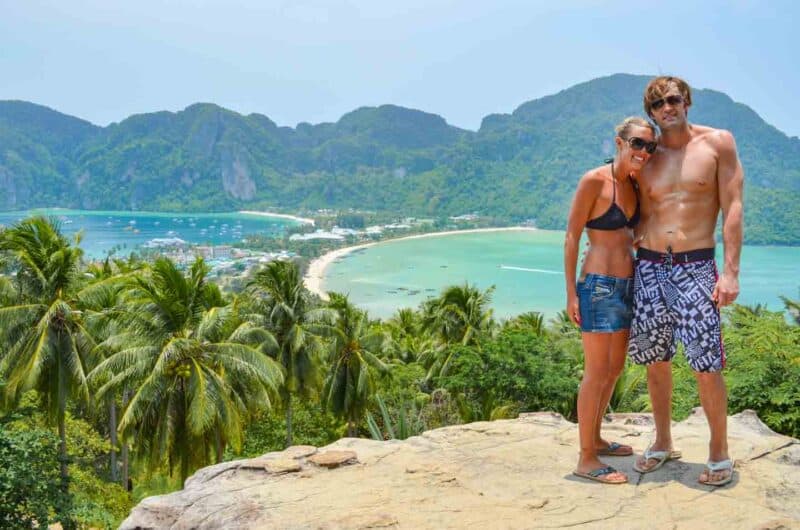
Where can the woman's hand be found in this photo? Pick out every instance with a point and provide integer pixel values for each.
(573, 309)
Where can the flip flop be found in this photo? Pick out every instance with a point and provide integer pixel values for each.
(661, 456)
(613, 449)
(722, 465)
(598, 474)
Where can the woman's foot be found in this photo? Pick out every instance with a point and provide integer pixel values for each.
(605, 448)
(594, 469)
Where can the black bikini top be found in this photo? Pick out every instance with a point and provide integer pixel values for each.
(614, 218)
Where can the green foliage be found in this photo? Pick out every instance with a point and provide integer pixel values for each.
(29, 477)
(764, 368)
(399, 410)
(280, 302)
(406, 423)
(92, 501)
(203, 368)
(198, 371)
(762, 372)
(354, 351)
(517, 370)
(793, 307)
(311, 425)
(459, 315)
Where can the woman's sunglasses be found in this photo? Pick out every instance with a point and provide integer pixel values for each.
(637, 144)
(672, 100)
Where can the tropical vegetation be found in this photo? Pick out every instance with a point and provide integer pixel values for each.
(119, 379)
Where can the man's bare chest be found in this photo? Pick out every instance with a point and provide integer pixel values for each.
(690, 171)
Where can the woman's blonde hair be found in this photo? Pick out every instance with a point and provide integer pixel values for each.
(624, 127)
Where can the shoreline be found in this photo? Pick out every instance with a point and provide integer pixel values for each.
(315, 274)
(304, 220)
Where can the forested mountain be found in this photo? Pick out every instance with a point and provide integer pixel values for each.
(517, 166)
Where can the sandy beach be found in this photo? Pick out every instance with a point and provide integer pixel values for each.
(281, 215)
(316, 269)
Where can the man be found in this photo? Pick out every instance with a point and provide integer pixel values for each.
(693, 175)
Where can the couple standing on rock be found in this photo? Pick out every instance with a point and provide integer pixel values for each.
(660, 195)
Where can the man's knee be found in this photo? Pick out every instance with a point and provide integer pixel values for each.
(710, 379)
(659, 370)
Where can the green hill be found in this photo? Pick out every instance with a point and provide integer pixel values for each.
(517, 166)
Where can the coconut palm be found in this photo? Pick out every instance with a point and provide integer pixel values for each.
(532, 321)
(284, 306)
(404, 322)
(460, 315)
(46, 344)
(409, 341)
(562, 325)
(196, 371)
(104, 314)
(354, 349)
(793, 307)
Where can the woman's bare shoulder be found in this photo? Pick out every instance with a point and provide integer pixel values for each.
(595, 176)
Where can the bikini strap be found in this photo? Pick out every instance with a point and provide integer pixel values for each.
(614, 183)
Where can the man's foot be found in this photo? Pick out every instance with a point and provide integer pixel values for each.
(717, 473)
(653, 458)
(613, 449)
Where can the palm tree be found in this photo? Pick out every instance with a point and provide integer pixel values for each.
(196, 371)
(793, 307)
(353, 353)
(46, 342)
(404, 322)
(409, 341)
(562, 325)
(283, 305)
(532, 321)
(101, 302)
(460, 315)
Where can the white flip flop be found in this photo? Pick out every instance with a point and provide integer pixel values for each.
(714, 467)
(661, 456)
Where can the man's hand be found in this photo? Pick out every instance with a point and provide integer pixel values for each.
(573, 309)
(726, 290)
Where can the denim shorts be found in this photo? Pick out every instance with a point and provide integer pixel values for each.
(606, 303)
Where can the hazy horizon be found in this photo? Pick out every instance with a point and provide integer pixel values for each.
(313, 61)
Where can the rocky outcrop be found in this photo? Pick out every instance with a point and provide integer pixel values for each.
(501, 474)
(236, 180)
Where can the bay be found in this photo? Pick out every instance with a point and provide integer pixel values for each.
(127, 231)
(526, 268)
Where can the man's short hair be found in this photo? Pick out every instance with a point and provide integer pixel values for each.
(659, 86)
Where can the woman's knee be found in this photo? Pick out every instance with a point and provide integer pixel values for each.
(614, 371)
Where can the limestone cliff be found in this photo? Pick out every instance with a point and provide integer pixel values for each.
(503, 474)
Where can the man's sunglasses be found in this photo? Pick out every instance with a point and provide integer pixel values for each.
(672, 100)
(637, 144)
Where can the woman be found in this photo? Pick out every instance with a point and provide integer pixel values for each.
(607, 204)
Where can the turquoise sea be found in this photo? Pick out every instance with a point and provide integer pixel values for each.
(103, 231)
(525, 267)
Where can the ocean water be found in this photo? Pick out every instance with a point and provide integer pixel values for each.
(525, 267)
(103, 231)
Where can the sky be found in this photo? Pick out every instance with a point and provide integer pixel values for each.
(312, 61)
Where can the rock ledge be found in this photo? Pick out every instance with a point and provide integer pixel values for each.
(501, 474)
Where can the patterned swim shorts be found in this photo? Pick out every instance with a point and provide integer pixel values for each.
(672, 302)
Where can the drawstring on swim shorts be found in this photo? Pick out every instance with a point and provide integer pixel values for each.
(668, 257)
